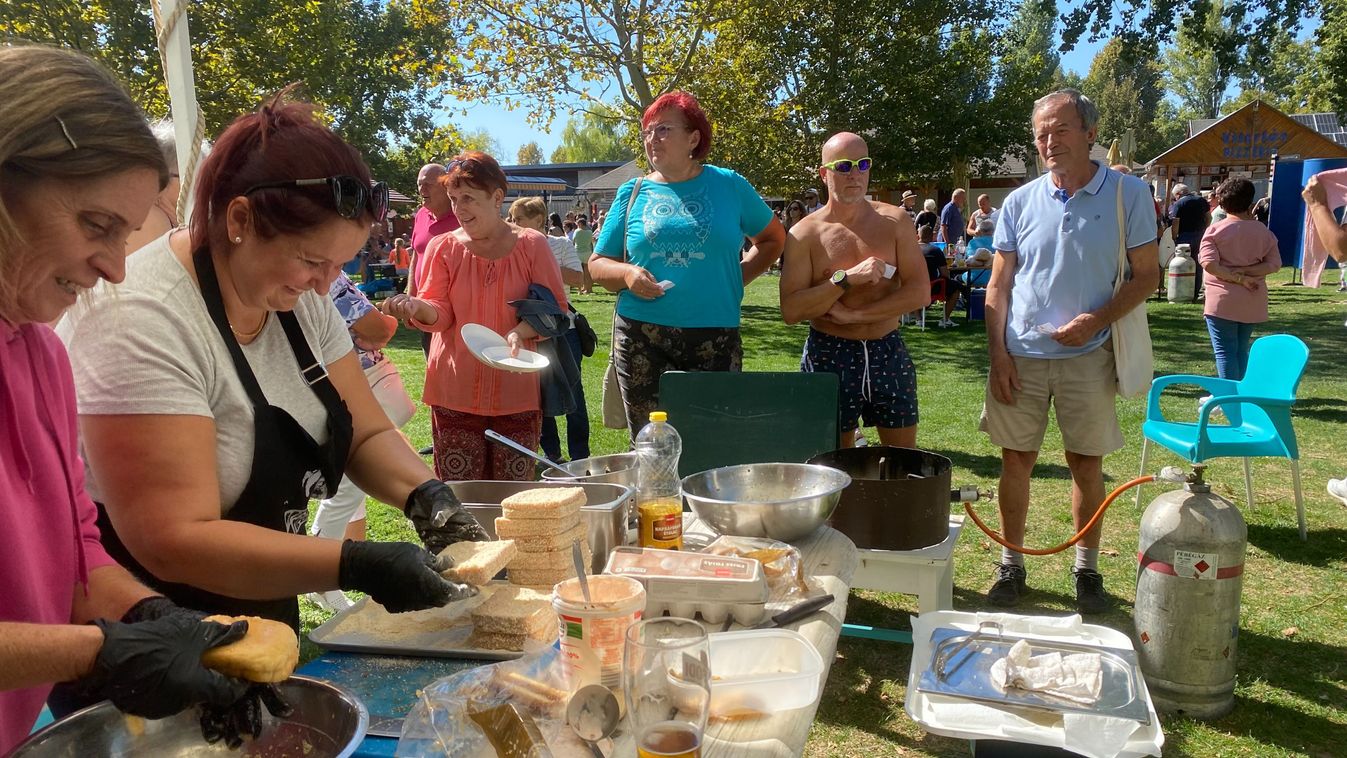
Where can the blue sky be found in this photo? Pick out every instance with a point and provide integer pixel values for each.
(509, 128)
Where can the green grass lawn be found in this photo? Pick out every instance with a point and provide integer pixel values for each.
(1292, 693)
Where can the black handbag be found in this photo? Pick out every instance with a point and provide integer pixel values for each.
(588, 339)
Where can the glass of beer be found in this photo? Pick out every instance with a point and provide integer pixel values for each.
(666, 673)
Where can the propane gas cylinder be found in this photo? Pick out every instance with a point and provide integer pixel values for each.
(1181, 282)
(1190, 567)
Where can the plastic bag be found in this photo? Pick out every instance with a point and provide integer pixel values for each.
(442, 722)
(781, 564)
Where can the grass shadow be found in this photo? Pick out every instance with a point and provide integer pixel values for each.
(1325, 547)
(1330, 410)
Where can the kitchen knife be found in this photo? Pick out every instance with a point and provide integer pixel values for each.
(797, 612)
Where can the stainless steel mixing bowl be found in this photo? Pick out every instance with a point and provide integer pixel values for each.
(782, 501)
(618, 468)
(328, 722)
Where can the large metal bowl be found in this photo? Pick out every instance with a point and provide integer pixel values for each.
(781, 501)
(618, 468)
(328, 722)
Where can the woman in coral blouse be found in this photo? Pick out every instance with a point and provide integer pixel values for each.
(473, 274)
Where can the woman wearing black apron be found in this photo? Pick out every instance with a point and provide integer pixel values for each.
(219, 391)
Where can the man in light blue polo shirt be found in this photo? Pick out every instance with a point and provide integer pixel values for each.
(1049, 306)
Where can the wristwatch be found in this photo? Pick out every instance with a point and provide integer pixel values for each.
(839, 278)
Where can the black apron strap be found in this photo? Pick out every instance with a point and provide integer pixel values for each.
(313, 371)
(210, 292)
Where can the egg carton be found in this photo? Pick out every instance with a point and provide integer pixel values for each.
(747, 614)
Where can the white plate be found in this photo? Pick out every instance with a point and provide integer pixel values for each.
(478, 338)
(526, 362)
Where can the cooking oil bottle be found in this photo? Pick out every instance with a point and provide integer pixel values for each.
(660, 502)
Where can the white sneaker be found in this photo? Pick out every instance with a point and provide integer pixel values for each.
(331, 601)
(946, 323)
(1338, 488)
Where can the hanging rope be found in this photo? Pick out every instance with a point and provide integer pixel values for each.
(163, 29)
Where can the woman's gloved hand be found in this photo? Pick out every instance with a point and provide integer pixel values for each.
(231, 722)
(157, 607)
(153, 668)
(399, 576)
(439, 518)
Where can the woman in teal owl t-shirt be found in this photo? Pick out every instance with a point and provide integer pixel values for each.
(678, 263)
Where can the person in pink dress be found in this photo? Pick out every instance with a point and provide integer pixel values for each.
(1236, 253)
(472, 273)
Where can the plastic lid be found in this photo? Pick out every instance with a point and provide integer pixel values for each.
(659, 416)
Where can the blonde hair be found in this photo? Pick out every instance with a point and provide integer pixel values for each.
(63, 117)
(532, 207)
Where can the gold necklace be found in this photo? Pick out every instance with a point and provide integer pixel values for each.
(248, 336)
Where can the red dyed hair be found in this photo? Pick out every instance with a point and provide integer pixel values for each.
(686, 104)
(282, 140)
(476, 169)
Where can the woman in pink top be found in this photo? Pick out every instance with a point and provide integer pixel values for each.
(79, 170)
(472, 274)
(1237, 253)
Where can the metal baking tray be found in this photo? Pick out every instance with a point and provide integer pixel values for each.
(432, 633)
(967, 658)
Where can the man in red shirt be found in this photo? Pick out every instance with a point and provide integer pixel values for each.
(433, 218)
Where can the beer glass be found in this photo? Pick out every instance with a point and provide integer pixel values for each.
(667, 677)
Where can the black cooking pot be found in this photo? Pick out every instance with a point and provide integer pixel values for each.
(899, 498)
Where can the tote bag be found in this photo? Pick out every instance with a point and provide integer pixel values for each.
(1132, 356)
(614, 410)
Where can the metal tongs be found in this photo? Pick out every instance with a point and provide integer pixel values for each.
(945, 665)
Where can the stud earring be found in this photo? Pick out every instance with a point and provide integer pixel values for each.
(238, 240)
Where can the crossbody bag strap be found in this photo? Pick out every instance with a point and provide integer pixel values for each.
(626, 217)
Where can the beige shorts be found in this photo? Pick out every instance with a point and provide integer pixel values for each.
(1082, 390)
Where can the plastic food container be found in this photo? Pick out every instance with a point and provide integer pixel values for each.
(688, 584)
(592, 635)
(758, 672)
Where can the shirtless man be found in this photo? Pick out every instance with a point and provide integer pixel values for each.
(852, 269)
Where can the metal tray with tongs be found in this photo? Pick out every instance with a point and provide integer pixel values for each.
(961, 664)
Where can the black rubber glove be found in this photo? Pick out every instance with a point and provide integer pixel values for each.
(157, 607)
(439, 518)
(398, 575)
(230, 723)
(153, 668)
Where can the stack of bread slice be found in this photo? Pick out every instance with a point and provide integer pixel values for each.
(511, 618)
(543, 523)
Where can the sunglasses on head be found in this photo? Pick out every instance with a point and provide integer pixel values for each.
(350, 195)
(845, 165)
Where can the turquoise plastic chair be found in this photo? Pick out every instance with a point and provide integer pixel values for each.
(1258, 408)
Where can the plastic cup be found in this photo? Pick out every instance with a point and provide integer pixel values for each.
(592, 634)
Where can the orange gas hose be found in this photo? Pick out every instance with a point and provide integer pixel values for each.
(996, 537)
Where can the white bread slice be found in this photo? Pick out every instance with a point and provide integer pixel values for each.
(502, 641)
(514, 528)
(477, 562)
(553, 542)
(543, 502)
(549, 560)
(540, 577)
(513, 610)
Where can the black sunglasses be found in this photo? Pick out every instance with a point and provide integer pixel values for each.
(350, 195)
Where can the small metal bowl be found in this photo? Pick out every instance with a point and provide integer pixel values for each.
(780, 501)
(618, 468)
(328, 722)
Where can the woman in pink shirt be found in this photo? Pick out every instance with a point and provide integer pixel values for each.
(79, 170)
(472, 274)
(1237, 253)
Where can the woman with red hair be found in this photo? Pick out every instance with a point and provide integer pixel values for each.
(472, 275)
(219, 391)
(676, 260)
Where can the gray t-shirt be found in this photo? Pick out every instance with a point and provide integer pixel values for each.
(147, 346)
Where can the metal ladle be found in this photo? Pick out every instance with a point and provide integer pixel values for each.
(593, 713)
(506, 441)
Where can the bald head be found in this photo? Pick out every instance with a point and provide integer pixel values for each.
(433, 196)
(844, 145)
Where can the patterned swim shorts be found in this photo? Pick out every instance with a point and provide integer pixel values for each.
(878, 382)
